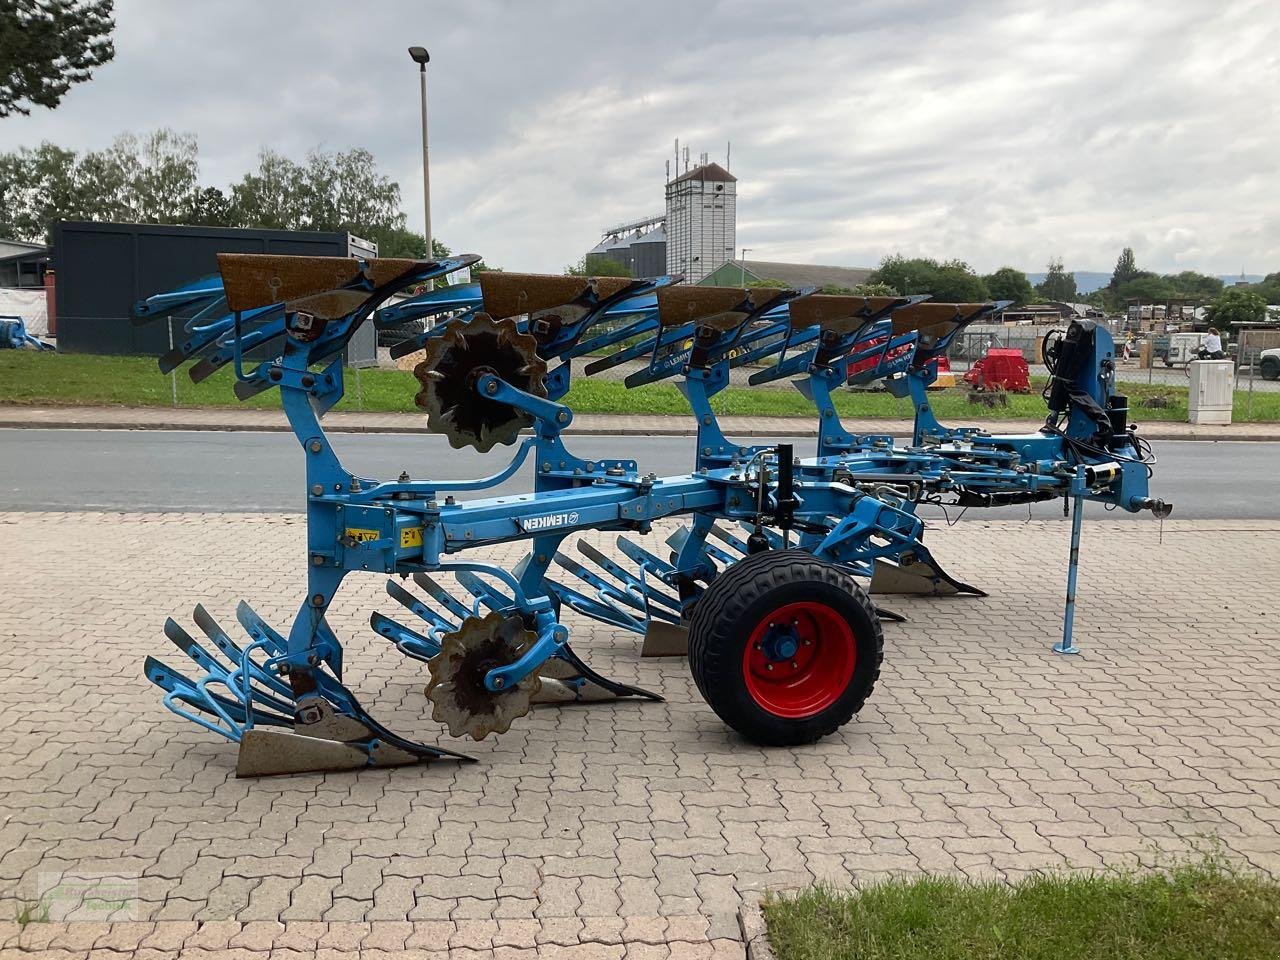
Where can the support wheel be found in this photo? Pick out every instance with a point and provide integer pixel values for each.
(785, 648)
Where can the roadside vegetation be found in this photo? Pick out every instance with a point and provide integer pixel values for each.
(1203, 910)
(80, 379)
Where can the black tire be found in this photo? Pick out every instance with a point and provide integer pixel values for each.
(1269, 368)
(735, 606)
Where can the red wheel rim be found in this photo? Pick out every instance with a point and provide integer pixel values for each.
(808, 682)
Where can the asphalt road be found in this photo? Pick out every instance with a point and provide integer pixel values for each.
(160, 470)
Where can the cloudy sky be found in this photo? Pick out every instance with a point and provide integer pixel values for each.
(998, 132)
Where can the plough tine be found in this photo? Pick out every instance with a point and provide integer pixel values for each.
(600, 585)
(724, 536)
(442, 596)
(491, 597)
(642, 556)
(594, 608)
(606, 591)
(408, 642)
(211, 666)
(678, 539)
(417, 607)
(213, 630)
(188, 691)
(642, 586)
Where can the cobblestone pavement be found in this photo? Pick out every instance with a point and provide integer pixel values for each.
(632, 829)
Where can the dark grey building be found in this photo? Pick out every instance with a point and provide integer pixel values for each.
(102, 269)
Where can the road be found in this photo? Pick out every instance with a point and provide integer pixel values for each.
(160, 470)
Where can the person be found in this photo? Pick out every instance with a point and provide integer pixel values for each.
(1212, 346)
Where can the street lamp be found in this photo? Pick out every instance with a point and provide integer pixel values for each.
(743, 263)
(420, 56)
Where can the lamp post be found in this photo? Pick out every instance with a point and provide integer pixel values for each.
(420, 56)
(743, 262)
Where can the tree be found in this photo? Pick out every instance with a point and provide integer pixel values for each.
(208, 208)
(860, 290)
(1189, 283)
(1147, 287)
(1009, 283)
(153, 179)
(1237, 305)
(597, 265)
(1269, 287)
(1058, 284)
(950, 281)
(1126, 269)
(48, 45)
(957, 283)
(906, 276)
(270, 198)
(872, 290)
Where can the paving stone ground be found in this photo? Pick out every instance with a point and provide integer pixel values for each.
(634, 829)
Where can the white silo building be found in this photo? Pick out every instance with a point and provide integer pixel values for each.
(701, 227)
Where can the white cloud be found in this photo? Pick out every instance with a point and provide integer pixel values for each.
(998, 132)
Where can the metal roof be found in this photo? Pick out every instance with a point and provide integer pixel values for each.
(708, 171)
(805, 274)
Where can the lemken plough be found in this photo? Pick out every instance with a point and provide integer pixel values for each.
(766, 584)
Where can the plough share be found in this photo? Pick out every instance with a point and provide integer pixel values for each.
(766, 585)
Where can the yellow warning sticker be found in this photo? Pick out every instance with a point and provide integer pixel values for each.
(411, 537)
(361, 533)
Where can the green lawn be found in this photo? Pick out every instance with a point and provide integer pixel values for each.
(1195, 911)
(49, 378)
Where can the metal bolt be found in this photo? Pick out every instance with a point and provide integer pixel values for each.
(433, 504)
(317, 560)
(316, 490)
(794, 665)
(563, 416)
(318, 600)
(768, 666)
(492, 387)
(450, 500)
(759, 646)
(499, 683)
(807, 642)
(404, 476)
(316, 446)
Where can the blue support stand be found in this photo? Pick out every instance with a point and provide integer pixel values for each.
(1078, 486)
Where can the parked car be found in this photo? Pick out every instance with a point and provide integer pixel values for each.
(1269, 364)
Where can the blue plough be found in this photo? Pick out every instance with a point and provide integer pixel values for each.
(765, 586)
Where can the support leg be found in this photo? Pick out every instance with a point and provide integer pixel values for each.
(1066, 644)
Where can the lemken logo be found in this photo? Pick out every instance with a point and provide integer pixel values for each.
(551, 520)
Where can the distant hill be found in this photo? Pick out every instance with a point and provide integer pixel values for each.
(1088, 281)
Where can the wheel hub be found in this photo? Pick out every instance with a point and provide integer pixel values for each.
(799, 659)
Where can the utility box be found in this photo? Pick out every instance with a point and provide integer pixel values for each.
(1212, 391)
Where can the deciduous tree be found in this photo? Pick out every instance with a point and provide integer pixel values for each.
(48, 45)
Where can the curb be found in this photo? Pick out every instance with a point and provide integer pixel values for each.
(21, 424)
(755, 933)
(760, 427)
